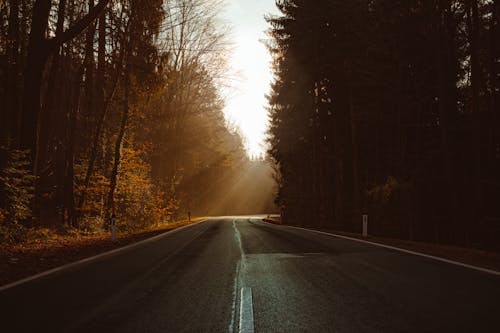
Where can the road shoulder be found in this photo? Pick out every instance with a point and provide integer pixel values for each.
(467, 256)
(21, 261)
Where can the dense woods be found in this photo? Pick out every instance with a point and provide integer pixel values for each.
(391, 109)
(111, 107)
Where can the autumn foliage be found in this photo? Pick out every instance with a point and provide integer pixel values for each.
(110, 108)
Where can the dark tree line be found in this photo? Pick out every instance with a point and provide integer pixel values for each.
(110, 106)
(392, 109)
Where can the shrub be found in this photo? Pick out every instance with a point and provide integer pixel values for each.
(16, 194)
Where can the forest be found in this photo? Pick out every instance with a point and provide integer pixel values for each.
(389, 108)
(114, 107)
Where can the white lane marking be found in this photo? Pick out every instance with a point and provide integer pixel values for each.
(246, 311)
(457, 263)
(237, 237)
(234, 296)
(97, 257)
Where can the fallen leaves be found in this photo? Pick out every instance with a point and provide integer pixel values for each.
(26, 259)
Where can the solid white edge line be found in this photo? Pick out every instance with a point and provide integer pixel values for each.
(96, 257)
(484, 270)
(246, 311)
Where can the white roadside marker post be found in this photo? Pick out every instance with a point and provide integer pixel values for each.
(365, 225)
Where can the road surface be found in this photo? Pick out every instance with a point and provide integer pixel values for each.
(239, 274)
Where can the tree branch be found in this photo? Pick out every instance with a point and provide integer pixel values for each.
(79, 26)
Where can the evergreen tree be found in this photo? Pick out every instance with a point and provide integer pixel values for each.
(383, 107)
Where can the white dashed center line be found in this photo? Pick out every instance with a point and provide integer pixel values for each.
(246, 311)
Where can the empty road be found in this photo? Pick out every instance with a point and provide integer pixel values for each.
(239, 274)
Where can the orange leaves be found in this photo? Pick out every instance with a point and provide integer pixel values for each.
(134, 175)
(140, 203)
(96, 192)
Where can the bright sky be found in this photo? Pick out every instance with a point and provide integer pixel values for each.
(246, 104)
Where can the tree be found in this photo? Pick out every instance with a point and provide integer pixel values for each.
(381, 107)
(113, 95)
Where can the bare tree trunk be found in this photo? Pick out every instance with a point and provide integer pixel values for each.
(355, 153)
(9, 126)
(118, 145)
(102, 103)
(89, 95)
(95, 143)
(473, 27)
(447, 106)
(70, 154)
(39, 49)
(37, 57)
(89, 78)
(494, 78)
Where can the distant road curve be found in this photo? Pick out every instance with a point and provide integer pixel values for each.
(239, 274)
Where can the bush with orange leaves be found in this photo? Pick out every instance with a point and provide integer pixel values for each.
(139, 202)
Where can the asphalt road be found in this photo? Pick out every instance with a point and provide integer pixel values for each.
(239, 274)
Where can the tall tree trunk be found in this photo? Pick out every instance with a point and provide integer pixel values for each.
(95, 143)
(9, 124)
(89, 78)
(102, 103)
(118, 146)
(38, 53)
(355, 153)
(70, 153)
(447, 107)
(39, 49)
(494, 78)
(475, 75)
(51, 134)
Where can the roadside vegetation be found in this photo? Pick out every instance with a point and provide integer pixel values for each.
(44, 249)
(111, 107)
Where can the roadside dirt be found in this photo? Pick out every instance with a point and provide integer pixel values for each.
(23, 260)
